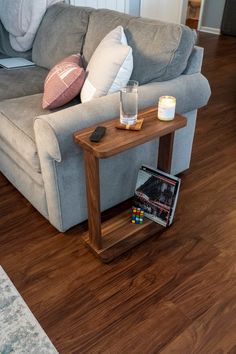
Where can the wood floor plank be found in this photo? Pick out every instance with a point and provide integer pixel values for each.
(213, 331)
(154, 277)
(142, 325)
(209, 283)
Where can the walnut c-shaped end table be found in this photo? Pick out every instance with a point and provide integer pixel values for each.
(110, 239)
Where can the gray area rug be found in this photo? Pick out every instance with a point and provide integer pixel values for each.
(20, 332)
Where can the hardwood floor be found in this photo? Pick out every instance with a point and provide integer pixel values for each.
(172, 294)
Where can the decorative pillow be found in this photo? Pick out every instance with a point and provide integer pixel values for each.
(63, 82)
(110, 66)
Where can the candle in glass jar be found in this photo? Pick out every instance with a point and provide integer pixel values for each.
(166, 108)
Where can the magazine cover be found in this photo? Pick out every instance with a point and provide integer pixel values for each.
(157, 193)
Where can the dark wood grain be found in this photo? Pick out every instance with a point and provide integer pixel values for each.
(165, 152)
(93, 198)
(171, 294)
(116, 141)
(215, 317)
(118, 235)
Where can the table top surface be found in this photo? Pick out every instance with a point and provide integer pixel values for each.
(116, 141)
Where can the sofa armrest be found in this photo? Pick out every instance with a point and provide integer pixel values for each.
(195, 61)
(54, 132)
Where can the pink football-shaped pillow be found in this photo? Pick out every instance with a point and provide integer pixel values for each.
(63, 82)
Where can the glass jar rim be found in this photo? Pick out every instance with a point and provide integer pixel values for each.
(167, 97)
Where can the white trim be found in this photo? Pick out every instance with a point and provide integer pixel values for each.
(179, 15)
(201, 28)
(209, 30)
(201, 15)
(183, 12)
(126, 7)
(168, 11)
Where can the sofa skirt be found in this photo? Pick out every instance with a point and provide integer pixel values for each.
(26, 185)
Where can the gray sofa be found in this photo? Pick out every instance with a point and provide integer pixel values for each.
(37, 151)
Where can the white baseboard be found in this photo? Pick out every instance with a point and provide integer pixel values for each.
(209, 30)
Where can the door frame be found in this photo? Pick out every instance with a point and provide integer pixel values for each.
(185, 10)
(204, 28)
(201, 15)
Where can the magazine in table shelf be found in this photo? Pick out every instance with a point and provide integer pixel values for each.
(157, 193)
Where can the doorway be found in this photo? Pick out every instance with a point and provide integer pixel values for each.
(193, 13)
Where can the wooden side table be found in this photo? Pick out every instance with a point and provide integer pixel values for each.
(115, 236)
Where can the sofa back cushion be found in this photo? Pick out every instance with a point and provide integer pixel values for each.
(21, 82)
(60, 34)
(101, 22)
(160, 50)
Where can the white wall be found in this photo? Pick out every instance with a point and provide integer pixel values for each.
(212, 13)
(108, 4)
(164, 10)
(128, 6)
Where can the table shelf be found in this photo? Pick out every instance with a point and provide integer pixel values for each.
(119, 235)
(110, 239)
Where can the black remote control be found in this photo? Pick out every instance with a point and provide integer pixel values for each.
(97, 134)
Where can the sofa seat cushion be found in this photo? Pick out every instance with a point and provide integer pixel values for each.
(16, 126)
(17, 160)
(160, 50)
(21, 82)
(60, 34)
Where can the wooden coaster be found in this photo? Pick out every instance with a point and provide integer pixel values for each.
(136, 126)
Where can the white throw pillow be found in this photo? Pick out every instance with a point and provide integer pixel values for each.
(110, 66)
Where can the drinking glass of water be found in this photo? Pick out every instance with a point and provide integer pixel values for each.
(129, 103)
